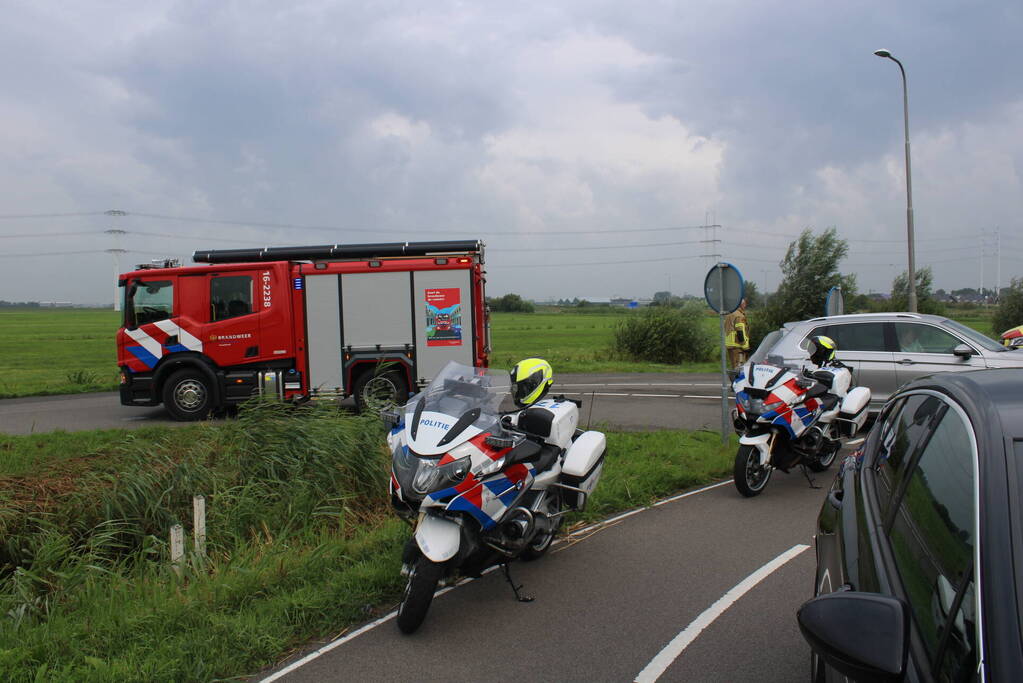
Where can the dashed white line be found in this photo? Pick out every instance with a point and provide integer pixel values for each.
(659, 664)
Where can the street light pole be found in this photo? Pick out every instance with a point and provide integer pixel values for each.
(885, 54)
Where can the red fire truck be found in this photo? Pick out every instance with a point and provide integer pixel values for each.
(299, 323)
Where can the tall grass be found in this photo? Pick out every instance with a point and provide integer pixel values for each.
(301, 542)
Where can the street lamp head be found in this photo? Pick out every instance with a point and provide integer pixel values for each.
(883, 53)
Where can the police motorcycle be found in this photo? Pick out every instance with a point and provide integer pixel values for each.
(484, 487)
(788, 417)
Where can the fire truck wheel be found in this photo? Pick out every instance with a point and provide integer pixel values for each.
(187, 395)
(376, 391)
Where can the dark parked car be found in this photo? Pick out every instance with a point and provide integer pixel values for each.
(920, 539)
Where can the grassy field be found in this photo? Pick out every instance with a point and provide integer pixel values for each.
(67, 351)
(62, 351)
(302, 543)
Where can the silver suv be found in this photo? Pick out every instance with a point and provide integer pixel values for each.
(886, 350)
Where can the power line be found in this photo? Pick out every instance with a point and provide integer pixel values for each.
(613, 246)
(22, 216)
(297, 226)
(53, 234)
(592, 263)
(75, 253)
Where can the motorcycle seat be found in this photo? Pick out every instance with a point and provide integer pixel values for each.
(829, 401)
(547, 457)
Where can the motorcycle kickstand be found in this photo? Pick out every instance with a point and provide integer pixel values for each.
(515, 589)
(809, 479)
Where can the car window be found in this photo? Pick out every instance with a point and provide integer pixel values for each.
(917, 338)
(974, 336)
(932, 542)
(819, 330)
(858, 336)
(900, 435)
(230, 297)
(153, 301)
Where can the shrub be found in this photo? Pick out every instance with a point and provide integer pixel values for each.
(510, 303)
(1010, 309)
(665, 335)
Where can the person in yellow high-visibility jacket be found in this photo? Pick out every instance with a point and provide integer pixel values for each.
(737, 336)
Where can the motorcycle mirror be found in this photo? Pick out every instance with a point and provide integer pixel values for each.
(390, 417)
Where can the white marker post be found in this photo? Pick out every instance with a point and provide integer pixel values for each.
(177, 548)
(199, 524)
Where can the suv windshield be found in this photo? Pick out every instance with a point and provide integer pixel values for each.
(974, 336)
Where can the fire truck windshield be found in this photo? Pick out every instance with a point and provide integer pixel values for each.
(148, 302)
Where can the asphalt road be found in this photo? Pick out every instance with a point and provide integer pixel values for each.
(622, 401)
(609, 601)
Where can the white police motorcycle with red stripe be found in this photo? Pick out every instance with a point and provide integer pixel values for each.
(788, 417)
(482, 487)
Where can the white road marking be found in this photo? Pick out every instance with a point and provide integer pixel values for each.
(387, 617)
(584, 394)
(659, 664)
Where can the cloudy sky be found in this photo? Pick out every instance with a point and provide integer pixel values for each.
(583, 141)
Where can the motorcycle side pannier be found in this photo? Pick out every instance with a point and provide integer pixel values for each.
(853, 412)
(583, 464)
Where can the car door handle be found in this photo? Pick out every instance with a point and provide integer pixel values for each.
(905, 361)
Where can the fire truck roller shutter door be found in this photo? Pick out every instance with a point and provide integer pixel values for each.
(375, 310)
(446, 292)
(323, 324)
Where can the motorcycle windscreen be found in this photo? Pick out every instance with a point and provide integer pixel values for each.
(460, 403)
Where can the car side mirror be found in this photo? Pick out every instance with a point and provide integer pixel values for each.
(963, 351)
(864, 636)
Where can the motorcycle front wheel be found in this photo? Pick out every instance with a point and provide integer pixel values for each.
(750, 478)
(415, 601)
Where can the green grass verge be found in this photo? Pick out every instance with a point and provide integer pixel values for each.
(64, 351)
(302, 542)
(69, 351)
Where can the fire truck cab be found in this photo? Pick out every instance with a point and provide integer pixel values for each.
(373, 321)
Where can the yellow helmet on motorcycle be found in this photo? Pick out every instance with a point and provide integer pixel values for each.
(822, 349)
(531, 379)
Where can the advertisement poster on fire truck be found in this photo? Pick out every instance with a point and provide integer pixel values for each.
(444, 317)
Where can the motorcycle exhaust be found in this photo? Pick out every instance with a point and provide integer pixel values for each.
(812, 440)
(520, 524)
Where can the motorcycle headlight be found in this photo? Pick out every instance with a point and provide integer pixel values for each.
(405, 465)
(773, 405)
(743, 401)
(433, 477)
